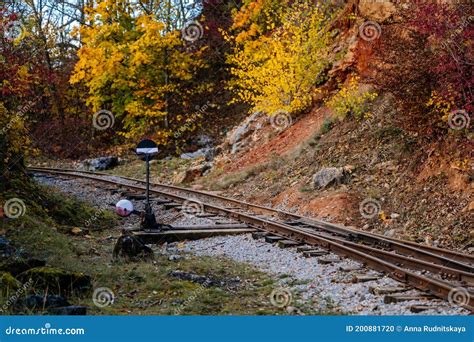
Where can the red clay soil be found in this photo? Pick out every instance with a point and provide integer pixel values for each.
(336, 206)
(284, 142)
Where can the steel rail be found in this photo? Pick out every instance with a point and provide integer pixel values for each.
(431, 254)
(439, 288)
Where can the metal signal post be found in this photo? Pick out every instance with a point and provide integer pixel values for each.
(146, 150)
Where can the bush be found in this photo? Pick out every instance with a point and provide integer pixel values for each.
(351, 101)
(277, 71)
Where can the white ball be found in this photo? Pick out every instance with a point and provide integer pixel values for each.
(124, 208)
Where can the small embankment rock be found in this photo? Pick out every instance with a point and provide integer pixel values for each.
(131, 247)
(196, 170)
(99, 164)
(205, 280)
(331, 176)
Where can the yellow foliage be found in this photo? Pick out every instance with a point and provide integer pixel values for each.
(135, 67)
(350, 101)
(444, 105)
(277, 71)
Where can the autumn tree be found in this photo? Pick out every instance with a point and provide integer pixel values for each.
(137, 66)
(279, 56)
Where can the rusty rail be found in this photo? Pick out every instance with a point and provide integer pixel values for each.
(395, 265)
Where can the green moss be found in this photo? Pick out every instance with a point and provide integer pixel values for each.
(56, 281)
(8, 283)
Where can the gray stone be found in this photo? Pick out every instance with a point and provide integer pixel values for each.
(99, 164)
(209, 153)
(72, 310)
(36, 302)
(329, 176)
(235, 138)
(204, 140)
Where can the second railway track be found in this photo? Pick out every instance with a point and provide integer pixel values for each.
(441, 272)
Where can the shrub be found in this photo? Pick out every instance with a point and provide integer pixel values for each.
(351, 101)
(276, 71)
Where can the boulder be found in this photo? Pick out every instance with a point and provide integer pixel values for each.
(379, 11)
(17, 265)
(56, 281)
(208, 153)
(99, 164)
(192, 173)
(236, 138)
(131, 247)
(331, 175)
(36, 302)
(6, 250)
(203, 140)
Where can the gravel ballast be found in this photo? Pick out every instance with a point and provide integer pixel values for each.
(325, 287)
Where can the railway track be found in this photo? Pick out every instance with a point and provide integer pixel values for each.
(443, 273)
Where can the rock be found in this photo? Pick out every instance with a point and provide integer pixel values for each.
(175, 257)
(379, 11)
(192, 173)
(209, 153)
(204, 140)
(6, 250)
(17, 265)
(72, 310)
(204, 280)
(235, 138)
(390, 233)
(131, 247)
(36, 302)
(394, 216)
(8, 284)
(56, 281)
(77, 231)
(193, 155)
(330, 175)
(291, 309)
(99, 164)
